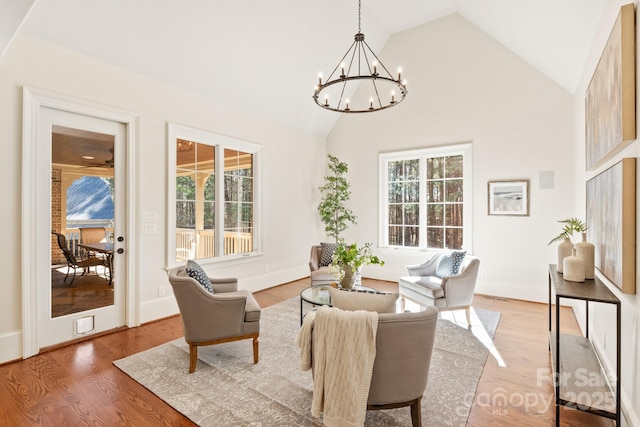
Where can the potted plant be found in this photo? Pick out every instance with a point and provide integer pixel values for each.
(336, 191)
(565, 248)
(570, 225)
(347, 259)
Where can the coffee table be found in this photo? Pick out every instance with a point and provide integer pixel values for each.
(317, 295)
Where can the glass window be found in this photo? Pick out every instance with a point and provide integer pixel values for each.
(214, 204)
(423, 197)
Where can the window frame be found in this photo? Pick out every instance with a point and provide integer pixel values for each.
(464, 149)
(220, 143)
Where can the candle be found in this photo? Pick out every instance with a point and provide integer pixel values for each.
(371, 103)
(320, 79)
(347, 103)
(399, 73)
(342, 67)
(326, 100)
(375, 67)
(393, 96)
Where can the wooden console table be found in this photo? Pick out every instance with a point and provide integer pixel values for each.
(579, 378)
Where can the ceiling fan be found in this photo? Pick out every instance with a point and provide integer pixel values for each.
(107, 163)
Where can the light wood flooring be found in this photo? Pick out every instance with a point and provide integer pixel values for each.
(77, 384)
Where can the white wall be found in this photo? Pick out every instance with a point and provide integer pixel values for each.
(602, 319)
(465, 87)
(292, 170)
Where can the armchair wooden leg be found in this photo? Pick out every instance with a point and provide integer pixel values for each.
(416, 415)
(193, 357)
(255, 350)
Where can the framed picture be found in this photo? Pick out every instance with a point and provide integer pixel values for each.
(509, 197)
(611, 217)
(610, 99)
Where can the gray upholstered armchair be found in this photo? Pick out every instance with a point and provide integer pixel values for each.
(320, 274)
(447, 293)
(226, 315)
(404, 344)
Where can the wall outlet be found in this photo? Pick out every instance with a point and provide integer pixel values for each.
(149, 217)
(149, 228)
(162, 290)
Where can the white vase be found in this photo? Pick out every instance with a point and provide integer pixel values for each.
(586, 251)
(564, 250)
(573, 267)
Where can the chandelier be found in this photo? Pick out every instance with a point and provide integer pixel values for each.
(360, 65)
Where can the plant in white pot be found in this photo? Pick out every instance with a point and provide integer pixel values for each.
(584, 250)
(347, 259)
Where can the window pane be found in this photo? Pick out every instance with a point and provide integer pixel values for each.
(434, 191)
(435, 214)
(210, 188)
(454, 190)
(411, 214)
(435, 168)
(395, 214)
(454, 215)
(185, 188)
(411, 235)
(412, 170)
(395, 236)
(411, 192)
(230, 188)
(454, 166)
(230, 216)
(185, 153)
(395, 193)
(209, 215)
(246, 189)
(206, 157)
(185, 214)
(435, 238)
(395, 171)
(454, 238)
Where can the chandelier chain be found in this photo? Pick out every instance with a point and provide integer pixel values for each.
(359, 15)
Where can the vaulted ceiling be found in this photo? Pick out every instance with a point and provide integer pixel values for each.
(263, 57)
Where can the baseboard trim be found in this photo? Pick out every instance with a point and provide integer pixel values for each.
(10, 346)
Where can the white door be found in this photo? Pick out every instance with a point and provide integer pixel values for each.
(92, 148)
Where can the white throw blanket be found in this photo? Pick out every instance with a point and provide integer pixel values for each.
(343, 354)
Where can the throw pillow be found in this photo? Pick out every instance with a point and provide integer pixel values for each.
(196, 272)
(327, 253)
(352, 300)
(449, 263)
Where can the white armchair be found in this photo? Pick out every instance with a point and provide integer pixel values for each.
(448, 292)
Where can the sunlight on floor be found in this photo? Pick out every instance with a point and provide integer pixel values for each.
(459, 318)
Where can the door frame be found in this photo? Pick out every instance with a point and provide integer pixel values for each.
(33, 100)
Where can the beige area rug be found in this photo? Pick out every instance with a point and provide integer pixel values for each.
(227, 389)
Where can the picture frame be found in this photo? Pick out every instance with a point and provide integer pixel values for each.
(611, 221)
(508, 197)
(610, 101)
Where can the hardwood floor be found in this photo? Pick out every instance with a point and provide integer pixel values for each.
(78, 384)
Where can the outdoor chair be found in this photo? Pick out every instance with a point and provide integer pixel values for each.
(72, 262)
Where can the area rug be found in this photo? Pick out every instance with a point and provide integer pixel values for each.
(227, 389)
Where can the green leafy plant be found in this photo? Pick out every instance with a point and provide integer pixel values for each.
(353, 256)
(336, 191)
(571, 225)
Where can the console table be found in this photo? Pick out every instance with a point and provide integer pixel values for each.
(579, 378)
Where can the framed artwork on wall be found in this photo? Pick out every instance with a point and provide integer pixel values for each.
(610, 108)
(508, 197)
(611, 217)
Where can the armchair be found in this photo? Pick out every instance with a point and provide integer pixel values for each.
(226, 315)
(320, 273)
(448, 292)
(404, 344)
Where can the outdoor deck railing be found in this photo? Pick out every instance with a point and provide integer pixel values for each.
(192, 244)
